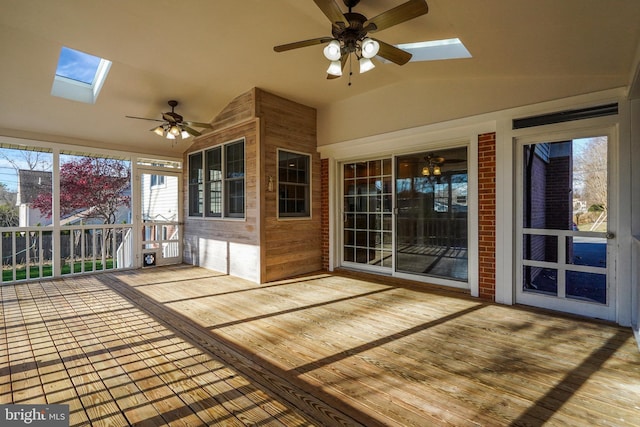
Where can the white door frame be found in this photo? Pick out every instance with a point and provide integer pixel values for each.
(604, 311)
(139, 240)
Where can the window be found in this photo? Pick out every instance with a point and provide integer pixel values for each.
(293, 184)
(79, 76)
(196, 193)
(216, 182)
(234, 181)
(213, 184)
(157, 181)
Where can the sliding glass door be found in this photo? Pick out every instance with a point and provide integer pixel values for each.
(432, 215)
(367, 214)
(408, 220)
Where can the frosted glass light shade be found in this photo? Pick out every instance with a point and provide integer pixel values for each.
(365, 65)
(332, 51)
(370, 48)
(335, 69)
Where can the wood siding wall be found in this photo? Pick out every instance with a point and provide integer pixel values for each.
(261, 247)
(291, 246)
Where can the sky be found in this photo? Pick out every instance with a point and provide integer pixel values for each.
(77, 65)
(8, 174)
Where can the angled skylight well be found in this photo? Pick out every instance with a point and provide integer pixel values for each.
(79, 76)
(435, 50)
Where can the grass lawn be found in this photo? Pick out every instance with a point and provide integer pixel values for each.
(587, 227)
(47, 270)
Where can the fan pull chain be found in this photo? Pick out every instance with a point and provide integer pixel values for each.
(350, 71)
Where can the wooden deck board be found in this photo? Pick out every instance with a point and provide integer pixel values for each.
(182, 345)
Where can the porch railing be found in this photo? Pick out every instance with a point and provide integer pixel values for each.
(29, 252)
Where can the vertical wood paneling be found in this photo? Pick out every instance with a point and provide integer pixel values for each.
(286, 247)
(292, 246)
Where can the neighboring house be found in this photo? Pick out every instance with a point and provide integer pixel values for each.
(30, 184)
(159, 194)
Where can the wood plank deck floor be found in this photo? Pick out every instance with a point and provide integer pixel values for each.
(186, 346)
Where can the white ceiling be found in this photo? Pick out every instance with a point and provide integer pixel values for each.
(204, 53)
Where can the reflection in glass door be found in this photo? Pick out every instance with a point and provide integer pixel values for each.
(367, 207)
(563, 243)
(431, 221)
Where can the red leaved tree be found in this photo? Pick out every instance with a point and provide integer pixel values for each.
(90, 188)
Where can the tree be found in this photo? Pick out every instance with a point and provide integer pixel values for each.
(9, 216)
(27, 159)
(90, 188)
(591, 167)
(7, 197)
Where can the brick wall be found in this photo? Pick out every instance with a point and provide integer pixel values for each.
(324, 220)
(487, 214)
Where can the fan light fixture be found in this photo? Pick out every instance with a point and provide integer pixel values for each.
(173, 126)
(431, 170)
(171, 131)
(332, 51)
(369, 48)
(365, 65)
(335, 68)
(433, 166)
(363, 49)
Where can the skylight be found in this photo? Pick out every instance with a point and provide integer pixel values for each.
(436, 50)
(79, 76)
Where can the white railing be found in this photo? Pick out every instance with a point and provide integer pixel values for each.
(124, 254)
(163, 239)
(29, 252)
(26, 253)
(171, 249)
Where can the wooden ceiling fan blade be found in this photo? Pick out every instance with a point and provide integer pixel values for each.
(169, 118)
(197, 124)
(332, 11)
(397, 15)
(393, 54)
(191, 131)
(303, 43)
(143, 118)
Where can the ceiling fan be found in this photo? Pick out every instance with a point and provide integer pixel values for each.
(173, 125)
(350, 35)
(434, 163)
